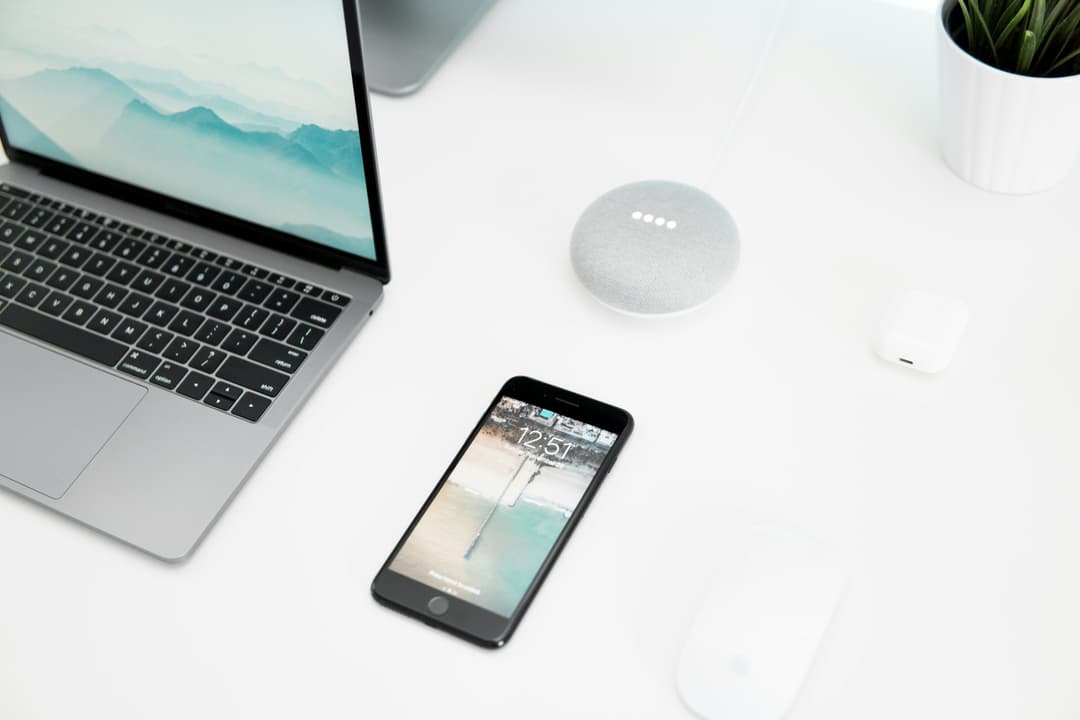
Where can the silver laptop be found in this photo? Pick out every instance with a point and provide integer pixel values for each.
(190, 235)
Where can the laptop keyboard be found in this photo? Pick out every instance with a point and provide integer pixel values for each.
(210, 327)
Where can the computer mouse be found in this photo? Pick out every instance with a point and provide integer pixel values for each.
(760, 625)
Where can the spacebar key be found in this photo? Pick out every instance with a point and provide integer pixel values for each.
(253, 377)
(68, 337)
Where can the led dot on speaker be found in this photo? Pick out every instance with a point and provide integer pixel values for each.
(671, 224)
(648, 217)
(636, 214)
(660, 221)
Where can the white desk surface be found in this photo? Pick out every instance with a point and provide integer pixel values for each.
(956, 495)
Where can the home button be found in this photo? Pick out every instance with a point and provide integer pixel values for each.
(438, 605)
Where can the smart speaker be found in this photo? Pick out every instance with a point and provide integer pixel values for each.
(654, 247)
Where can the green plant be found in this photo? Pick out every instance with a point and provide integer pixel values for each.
(1027, 37)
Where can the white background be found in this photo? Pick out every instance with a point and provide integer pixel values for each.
(955, 496)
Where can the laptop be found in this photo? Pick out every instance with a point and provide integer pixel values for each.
(190, 236)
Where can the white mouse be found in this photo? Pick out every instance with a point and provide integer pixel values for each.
(760, 625)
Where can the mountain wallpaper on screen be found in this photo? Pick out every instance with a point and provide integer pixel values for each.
(194, 143)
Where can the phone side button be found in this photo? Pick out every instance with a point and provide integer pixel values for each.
(438, 605)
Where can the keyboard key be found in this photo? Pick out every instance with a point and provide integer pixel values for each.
(17, 262)
(148, 281)
(228, 283)
(315, 312)
(86, 287)
(251, 317)
(139, 364)
(75, 256)
(186, 323)
(32, 294)
(135, 305)
(278, 327)
(67, 337)
(154, 257)
(10, 232)
(129, 249)
(224, 308)
(212, 332)
(173, 290)
(4, 252)
(305, 337)
(79, 312)
(110, 296)
(59, 225)
(207, 360)
(39, 270)
(56, 304)
(251, 407)
(53, 248)
(37, 217)
(178, 265)
(233, 392)
(105, 321)
(16, 210)
(129, 331)
(62, 278)
(203, 274)
(31, 240)
(161, 314)
(181, 350)
(168, 375)
(105, 241)
(281, 280)
(123, 273)
(309, 289)
(282, 301)
(156, 341)
(240, 342)
(278, 356)
(219, 401)
(82, 233)
(253, 377)
(195, 385)
(255, 291)
(204, 254)
(198, 299)
(229, 263)
(99, 265)
(336, 298)
(255, 272)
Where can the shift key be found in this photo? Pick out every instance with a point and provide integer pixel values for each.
(252, 376)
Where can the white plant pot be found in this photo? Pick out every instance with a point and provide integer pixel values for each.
(1005, 132)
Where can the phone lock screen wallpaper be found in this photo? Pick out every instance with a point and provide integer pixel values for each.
(495, 519)
(246, 108)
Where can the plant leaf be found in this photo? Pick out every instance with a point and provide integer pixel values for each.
(1053, 28)
(968, 25)
(981, 25)
(1069, 29)
(1027, 52)
(1037, 18)
(1071, 56)
(1010, 10)
(1012, 24)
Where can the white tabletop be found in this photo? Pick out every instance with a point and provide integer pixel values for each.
(955, 495)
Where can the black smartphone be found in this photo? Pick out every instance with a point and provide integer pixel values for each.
(477, 552)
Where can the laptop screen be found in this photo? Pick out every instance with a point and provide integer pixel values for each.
(243, 108)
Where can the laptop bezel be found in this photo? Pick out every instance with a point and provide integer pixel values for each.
(379, 268)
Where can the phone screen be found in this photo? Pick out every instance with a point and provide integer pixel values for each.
(491, 525)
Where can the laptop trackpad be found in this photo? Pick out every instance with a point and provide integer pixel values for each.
(55, 414)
